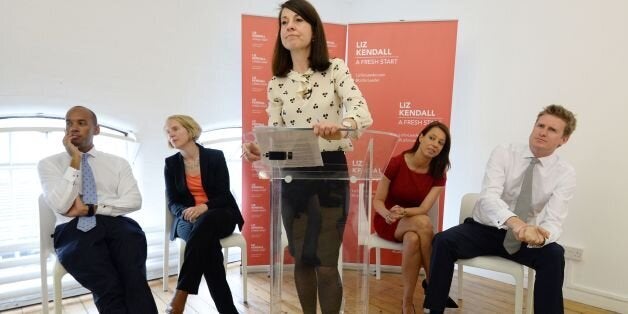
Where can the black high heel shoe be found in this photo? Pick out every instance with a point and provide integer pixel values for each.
(450, 302)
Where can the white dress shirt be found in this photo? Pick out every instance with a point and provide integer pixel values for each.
(553, 185)
(301, 100)
(116, 187)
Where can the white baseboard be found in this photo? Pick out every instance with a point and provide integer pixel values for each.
(597, 299)
(593, 297)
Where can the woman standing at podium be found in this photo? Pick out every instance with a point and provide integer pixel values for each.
(310, 90)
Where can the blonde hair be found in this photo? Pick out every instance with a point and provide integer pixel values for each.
(188, 123)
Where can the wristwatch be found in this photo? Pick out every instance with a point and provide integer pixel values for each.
(346, 124)
(91, 209)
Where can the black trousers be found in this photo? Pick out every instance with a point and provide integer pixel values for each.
(203, 256)
(472, 239)
(110, 261)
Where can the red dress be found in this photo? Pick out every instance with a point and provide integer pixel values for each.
(407, 189)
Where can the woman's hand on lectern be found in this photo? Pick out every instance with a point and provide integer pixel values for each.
(328, 131)
(251, 152)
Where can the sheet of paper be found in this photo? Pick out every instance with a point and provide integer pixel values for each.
(299, 146)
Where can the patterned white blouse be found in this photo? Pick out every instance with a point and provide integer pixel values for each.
(301, 100)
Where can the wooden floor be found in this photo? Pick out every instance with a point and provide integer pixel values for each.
(480, 296)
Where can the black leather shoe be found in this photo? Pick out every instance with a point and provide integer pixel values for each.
(450, 302)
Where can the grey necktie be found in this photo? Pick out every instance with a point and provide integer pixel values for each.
(86, 223)
(523, 207)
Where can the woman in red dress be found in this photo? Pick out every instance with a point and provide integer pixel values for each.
(412, 182)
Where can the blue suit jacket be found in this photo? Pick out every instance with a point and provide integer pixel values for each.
(215, 180)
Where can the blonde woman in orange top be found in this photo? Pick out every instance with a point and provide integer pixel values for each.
(205, 211)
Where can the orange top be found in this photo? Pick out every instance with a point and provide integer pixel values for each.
(196, 188)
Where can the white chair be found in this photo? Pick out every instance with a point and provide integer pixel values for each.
(495, 263)
(375, 241)
(234, 240)
(46, 231)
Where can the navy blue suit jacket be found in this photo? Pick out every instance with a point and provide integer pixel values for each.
(215, 180)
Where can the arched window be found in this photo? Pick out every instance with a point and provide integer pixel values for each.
(229, 141)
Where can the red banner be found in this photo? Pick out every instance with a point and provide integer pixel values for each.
(405, 71)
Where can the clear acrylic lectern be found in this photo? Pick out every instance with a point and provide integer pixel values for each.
(283, 150)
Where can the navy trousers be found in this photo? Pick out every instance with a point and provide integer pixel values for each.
(472, 239)
(110, 261)
(203, 257)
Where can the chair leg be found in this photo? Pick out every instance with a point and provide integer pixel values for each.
(530, 300)
(378, 264)
(166, 266)
(44, 284)
(58, 273)
(460, 274)
(225, 257)
(519, 292)
(244, 271)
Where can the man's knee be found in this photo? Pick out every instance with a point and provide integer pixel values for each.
(131, 232)
(138, 239)
(443, 238)
(438, 239)
(554, 252)
(550, 260)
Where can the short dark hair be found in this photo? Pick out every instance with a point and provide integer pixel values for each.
(563, 114)
(91, 113)
(319, 55)
(440, 163)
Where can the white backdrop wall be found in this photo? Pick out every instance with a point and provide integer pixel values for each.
(512, 59)
(136, 62)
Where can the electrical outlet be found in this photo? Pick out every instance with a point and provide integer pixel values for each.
(573, 253)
